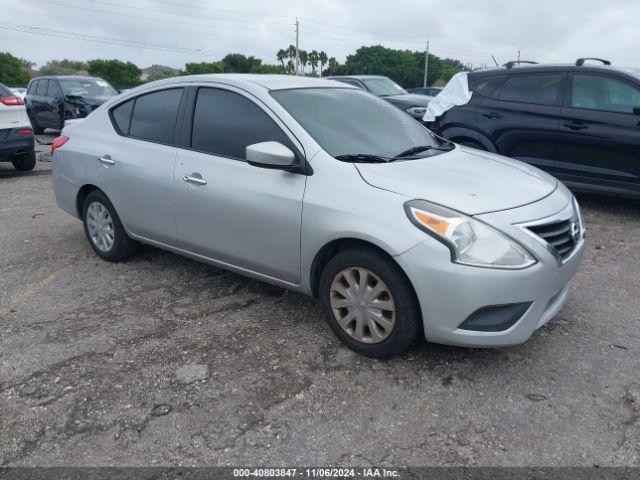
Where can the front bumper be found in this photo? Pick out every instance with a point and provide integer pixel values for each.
(449, 293)
(14, 144)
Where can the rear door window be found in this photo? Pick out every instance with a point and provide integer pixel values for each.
(32, 88)
(603, 93)
(121, 116)
(225, 123)
(155, 115)
(43, 85)
(54, 89)
(538, 89)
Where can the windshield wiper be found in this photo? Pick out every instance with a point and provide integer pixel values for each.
(423, 148)
(363, 158)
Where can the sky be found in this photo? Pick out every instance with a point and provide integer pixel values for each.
(174, 32)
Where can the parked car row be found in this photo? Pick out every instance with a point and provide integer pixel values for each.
(320, 187)
(16, 134)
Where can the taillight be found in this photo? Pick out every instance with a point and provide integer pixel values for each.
(11, 100)
(24, 131)
(58, 142)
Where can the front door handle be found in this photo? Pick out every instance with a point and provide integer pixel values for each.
(106, 160)
(576, 125)
(194, 180)
(492, 115)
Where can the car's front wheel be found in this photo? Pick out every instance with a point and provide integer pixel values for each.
(369, 303)
(104, 229)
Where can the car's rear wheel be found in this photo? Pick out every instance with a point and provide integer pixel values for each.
(104, 229)
(369, 303)
(25, 162)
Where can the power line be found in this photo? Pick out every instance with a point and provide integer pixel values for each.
(106, 40)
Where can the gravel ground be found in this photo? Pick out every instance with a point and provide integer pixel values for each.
(165, 361)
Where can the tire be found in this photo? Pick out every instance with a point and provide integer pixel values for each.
(114, 247)
(25, 162)
(406, 317)
(473, 144)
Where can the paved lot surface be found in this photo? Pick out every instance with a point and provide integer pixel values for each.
(162, 360)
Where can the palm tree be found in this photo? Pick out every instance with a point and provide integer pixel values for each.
(333, 65)
(281, 55)
(322, 56)
(304, 59)
(313, 61)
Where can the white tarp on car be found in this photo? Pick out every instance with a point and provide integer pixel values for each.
(455, 93)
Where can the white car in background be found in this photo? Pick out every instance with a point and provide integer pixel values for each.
(19, 91)
(16, 134)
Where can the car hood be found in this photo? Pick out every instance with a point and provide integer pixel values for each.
(466, 180)
(409, 100)
(93, 101)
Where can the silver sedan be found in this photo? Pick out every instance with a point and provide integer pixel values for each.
(325, 189)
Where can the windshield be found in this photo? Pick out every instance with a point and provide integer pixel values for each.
(87, 87)
(383, 87)
(350, 121)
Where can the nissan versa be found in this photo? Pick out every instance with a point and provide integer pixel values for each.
(326, 189)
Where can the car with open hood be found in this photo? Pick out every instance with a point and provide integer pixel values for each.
(52, 100)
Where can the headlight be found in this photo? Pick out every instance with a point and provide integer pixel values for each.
(416, 111)
(470, 241)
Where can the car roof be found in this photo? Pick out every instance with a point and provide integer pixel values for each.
(265, 81)
(65, 77)
(355, 77)
(556, 67)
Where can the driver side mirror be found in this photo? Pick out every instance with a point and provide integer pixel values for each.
(636, 109)
(271, 155)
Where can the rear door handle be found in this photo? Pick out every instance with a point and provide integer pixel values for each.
(106, 160)
(576, 125)
(194, 180)
(492, 115)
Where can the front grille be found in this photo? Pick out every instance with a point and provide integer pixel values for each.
(561, 236)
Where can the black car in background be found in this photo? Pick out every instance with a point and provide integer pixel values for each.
(580, 122)
(430, 91)
(384, 87)
(52, 100)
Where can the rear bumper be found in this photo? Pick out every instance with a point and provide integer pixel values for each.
(13, 144)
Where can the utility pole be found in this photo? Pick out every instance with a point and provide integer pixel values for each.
(518, 56)
(426, 65)
(297, 51)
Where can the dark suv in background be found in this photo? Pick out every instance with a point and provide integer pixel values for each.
(580, 122)
(384, 87)
(52, 100)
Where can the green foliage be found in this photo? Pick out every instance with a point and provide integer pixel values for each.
(14, 70)
(403, 66)
(158, 72)
(64, 67)
(116, 72)
(203, 67)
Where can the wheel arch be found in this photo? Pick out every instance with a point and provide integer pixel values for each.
(458, 134)
(330, 249)
(82, 194)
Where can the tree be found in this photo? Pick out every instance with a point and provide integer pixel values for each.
(314, 58)
(304, 59)
(158, 72)
(281, 56)
(64, 67)
(333, 66)
(204, 67)
(322, 57)
(14, 70)
(116, 72)
(239, 63)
